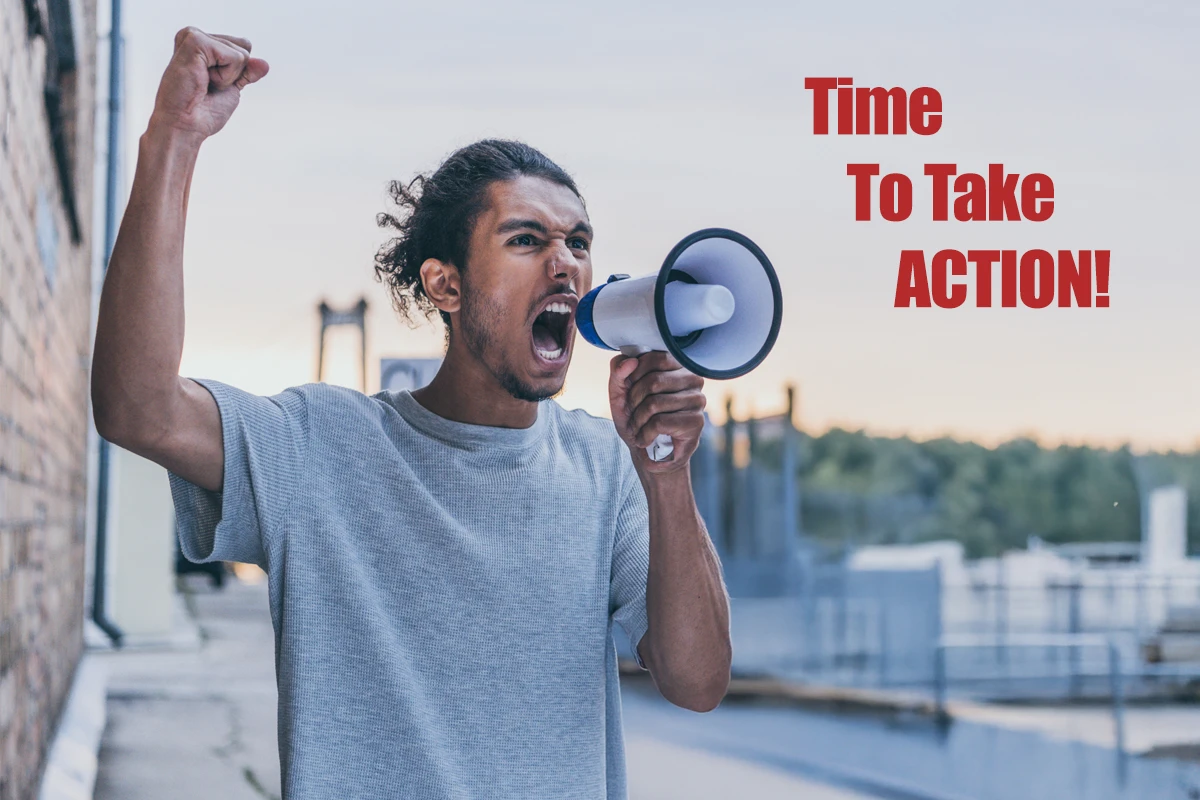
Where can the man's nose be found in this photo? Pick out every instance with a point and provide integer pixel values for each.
(561, 264)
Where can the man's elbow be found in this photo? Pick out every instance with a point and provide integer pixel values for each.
(133, 420)
(702, 697)
(105, 413)
(106, 421)
(699, 689)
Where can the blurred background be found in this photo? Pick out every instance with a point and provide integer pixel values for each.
(961, 545)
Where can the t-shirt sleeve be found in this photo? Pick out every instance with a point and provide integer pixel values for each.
(264, 440)
(631, 563)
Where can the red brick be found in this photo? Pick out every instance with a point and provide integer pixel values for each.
(43, 405)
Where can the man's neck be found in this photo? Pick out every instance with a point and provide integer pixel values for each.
(464, 390)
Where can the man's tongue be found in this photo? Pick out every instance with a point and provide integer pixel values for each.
(543, 339)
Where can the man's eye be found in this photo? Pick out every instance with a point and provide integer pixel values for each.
(524, 240)
(581, 244)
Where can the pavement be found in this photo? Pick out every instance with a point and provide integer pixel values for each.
(196, 723)
(199, 722)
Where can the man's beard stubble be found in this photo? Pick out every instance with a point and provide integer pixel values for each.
(478, 328)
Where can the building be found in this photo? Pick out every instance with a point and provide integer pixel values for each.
(47, 118)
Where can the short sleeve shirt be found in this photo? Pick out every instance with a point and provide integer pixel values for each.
(443, 594)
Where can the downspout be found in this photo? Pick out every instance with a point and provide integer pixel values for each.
(99, 582)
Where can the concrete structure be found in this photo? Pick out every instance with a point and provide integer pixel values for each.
(1164, 542)
(47, 102)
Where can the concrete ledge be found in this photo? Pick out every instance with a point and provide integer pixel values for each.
(71, 766)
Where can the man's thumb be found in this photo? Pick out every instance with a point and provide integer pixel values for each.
(255, 69)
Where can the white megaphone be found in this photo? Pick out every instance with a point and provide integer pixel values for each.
(715, 305)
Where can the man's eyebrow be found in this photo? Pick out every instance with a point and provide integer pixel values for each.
(511, 225)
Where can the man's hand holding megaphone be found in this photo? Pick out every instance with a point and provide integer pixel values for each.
(653, 395)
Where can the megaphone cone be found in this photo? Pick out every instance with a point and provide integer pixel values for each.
(715, 305)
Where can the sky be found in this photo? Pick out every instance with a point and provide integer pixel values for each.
(679, 116)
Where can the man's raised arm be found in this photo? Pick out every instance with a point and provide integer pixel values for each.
(139, 400)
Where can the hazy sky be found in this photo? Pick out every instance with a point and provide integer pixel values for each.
(679, 116)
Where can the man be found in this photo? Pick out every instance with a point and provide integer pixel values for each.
(445, 565)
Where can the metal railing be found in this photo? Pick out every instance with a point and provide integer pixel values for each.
(1072, 642)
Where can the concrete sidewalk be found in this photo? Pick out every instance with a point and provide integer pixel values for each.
(199, 724)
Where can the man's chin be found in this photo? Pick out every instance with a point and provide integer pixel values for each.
(533, 391)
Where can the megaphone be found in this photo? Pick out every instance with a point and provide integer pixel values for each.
(715, 305)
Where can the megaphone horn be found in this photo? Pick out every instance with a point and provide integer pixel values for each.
(715, 305)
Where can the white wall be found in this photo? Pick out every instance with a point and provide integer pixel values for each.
(142, 527)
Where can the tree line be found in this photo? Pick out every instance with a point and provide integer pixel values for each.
(859, 489)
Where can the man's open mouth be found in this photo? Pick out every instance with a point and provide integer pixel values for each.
(552, 329)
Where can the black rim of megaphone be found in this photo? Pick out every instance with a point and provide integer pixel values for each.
(664, 277)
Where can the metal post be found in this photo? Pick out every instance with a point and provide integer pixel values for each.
(729, 526)
(1074, 651)
(883, 646)
(1118, 706)
(323, 311)
(752, 512)
(1001, 600)
(939, 680)
(1140, 589)
(362, 331)
(791, 525)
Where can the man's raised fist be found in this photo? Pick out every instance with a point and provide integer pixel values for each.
(204, 81)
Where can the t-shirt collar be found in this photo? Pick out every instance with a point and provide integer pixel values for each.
(465, 434)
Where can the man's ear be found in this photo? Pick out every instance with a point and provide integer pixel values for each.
(443, 285)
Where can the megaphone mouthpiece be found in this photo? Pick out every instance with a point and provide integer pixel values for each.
(691, 307)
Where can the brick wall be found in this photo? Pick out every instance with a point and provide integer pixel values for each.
(45, 307)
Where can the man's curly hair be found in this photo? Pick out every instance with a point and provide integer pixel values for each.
(436, 214)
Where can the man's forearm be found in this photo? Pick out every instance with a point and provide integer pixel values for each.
(139, 331)
(687, 645)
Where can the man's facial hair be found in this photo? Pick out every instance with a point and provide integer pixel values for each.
(477, 324)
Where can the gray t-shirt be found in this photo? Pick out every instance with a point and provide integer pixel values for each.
(442, 593)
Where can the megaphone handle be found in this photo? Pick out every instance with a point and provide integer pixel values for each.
(662, 447)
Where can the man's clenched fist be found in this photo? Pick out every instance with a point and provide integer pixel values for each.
(650, 395)
(204, 81)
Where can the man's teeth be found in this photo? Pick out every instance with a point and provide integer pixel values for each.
(550, 355)
(559, 308)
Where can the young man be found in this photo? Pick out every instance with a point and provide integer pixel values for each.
(445, 565)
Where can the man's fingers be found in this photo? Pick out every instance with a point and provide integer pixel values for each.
(654, 361)
(623, 366)
(670, 424)
(660, 404)
(618, 394)
(678, 380)
(253, 69)
(237, 40)
(226, 61)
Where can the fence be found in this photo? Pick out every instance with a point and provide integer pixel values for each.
(796, 617)
(906, 629)
(838, 626)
